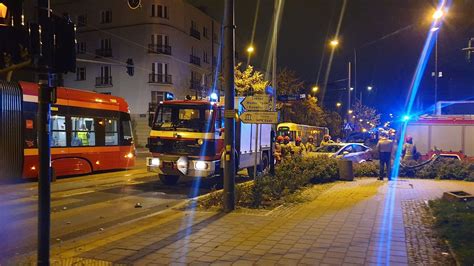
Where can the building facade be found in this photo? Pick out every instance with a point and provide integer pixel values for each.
(173, 45)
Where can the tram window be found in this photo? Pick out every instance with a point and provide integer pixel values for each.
(83, 131)
(58, 127)
(111, 132)
(127, 132)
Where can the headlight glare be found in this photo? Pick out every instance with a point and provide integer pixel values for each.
(201, 165)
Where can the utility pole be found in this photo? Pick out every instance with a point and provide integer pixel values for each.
(348, 89)
(229, 110)
(436, 73)
(274, 81)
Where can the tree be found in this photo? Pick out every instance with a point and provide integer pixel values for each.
(249, 81)
(288, 82)
(364, 116)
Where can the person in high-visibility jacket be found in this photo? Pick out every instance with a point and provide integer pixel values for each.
(278, 149)
(298, 149)
(83, 136)
(310, 147)
(286, 148)
(326, 140)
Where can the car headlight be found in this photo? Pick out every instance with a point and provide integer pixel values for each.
(200, 141)
(201, 165)
(155, 161)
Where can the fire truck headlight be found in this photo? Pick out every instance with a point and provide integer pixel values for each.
(200, 141)
(155, 162)
(129, 155)
(201, 165)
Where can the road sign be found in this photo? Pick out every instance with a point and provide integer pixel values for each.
(251, 117)
(258, 103)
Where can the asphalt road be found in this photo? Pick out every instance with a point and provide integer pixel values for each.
(86, 204)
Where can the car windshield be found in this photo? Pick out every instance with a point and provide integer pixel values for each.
(329, 148)
(183, 118)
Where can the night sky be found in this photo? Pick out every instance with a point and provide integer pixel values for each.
(387, 63)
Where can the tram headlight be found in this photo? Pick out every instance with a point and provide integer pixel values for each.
(129, 155)
(201, 165)
(200, 141)
(155, 162)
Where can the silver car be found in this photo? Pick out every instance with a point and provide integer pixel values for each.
(355, 152)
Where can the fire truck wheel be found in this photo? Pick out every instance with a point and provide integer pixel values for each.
(169, 179)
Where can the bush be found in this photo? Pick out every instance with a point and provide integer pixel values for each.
(366, 169)
(447, 169)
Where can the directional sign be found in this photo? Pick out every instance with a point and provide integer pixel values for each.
(258, 103)
(259, 117)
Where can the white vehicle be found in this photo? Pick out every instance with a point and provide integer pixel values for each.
(187, 140)
(443, 135)
(355, 152)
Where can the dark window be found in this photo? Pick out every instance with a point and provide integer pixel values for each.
(81, 73)
(159, 11)
(127, 137)
(204, 32)
(111, 132)
(106, 16)
(81, 20)
(81, 48)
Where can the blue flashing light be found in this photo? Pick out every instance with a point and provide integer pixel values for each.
(406, 118)
(213, 97)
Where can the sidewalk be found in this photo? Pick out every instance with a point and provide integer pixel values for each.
(353, 223)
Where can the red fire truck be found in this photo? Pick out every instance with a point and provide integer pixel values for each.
(89, 132)
(446, 135)
(187, 140)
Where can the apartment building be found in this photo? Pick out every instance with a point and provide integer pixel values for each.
(173, 45)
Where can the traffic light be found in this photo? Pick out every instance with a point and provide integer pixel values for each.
(130, 67)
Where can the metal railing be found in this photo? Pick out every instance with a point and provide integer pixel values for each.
(104, 52)
(160, 78)
(159, 49)
(103, 81)
(194, 60)
(195, 33)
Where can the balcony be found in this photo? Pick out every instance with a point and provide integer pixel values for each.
(195, 33)
(159, 49)
(160, 78)
(104, 52)
(103, 81)
(195, 60)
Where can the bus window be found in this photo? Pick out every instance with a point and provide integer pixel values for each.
(127, 132)
(82, 131)
(111, 132)
(58, 127)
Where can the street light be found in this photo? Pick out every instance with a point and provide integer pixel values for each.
(334, 43)
(369, 88)
(338, 104)
(315, 89)
(438, 14)
(250, 49)
(3, 14)
(350, 111)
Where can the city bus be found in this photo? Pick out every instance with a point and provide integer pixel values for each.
(293, 130)
(89, 132)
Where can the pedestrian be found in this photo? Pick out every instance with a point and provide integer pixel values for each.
(83, 135)
(409, 149)
(326, 140)
(298, 149)
(310, 147)
(384, 148)
(277, 154)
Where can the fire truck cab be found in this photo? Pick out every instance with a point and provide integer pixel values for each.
(187, 140)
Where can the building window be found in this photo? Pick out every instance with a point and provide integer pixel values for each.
(82, 131)
(205, 57)
(205, 33)
(159, 11)
(81, 20)
(81, 73)
(111, 132)
(81, 48)
(58, 124)
(106, 16)
(105, 44)
(157, 96)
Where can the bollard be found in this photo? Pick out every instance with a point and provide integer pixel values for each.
(346, 172)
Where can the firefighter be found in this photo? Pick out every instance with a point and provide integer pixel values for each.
(278, 148)
(298, 149)
(409, 149)
(384, 148)
(286, 149)
(310, 147)
(326, 140)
